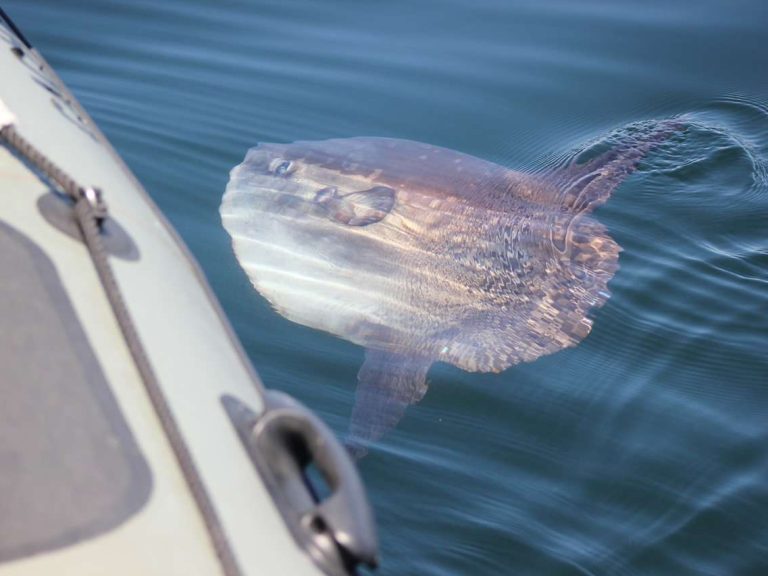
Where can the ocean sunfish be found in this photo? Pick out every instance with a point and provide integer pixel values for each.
(424, 254)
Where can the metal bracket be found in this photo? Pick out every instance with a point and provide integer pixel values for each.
(331, 521)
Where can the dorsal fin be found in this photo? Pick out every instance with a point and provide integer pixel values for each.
(581, 186)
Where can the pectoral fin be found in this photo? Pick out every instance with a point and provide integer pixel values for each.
(362, 208)
(387, 384)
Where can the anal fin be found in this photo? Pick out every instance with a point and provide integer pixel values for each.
(387, 384)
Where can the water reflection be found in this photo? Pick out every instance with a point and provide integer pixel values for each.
(423, 254)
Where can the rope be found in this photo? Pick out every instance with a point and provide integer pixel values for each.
(76, 193)
(91, 212)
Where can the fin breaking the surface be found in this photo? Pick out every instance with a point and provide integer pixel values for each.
(387, 384)
(583, 186)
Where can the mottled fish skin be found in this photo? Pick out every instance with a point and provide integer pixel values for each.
(472, 265)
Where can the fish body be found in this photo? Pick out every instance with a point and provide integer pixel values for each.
(464, 266)
(423, 254)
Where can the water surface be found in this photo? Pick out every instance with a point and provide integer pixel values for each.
(641, 451)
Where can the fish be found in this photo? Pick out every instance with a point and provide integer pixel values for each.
(422, 254)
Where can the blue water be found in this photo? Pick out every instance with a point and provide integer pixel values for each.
(643, 450)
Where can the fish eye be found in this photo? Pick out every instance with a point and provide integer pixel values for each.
(281, 167)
